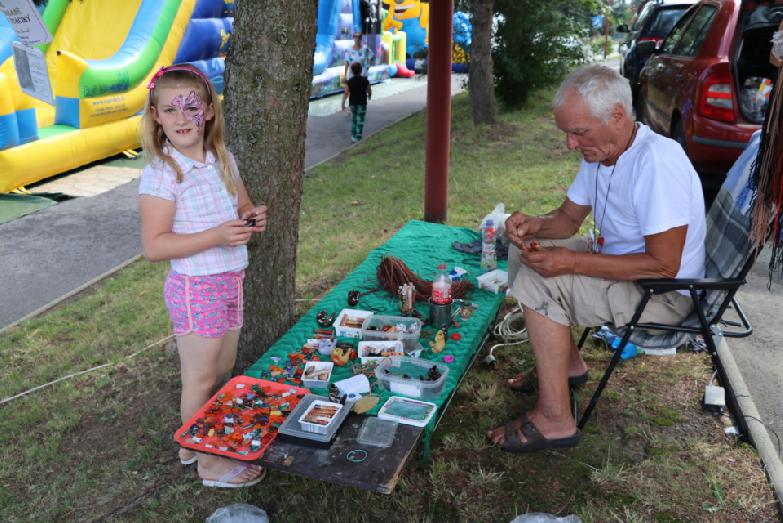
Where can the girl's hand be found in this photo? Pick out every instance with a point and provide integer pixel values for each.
(259, 215)
(233, 233)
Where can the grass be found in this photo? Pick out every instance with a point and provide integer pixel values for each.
(99, 447)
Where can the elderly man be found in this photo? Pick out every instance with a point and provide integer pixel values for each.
(648, 222)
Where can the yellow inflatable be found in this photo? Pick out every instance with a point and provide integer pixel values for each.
(100, 61)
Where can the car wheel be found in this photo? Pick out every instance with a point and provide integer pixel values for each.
(678, 134)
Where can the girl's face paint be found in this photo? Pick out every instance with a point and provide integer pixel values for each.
(190, 106)
(183, 115)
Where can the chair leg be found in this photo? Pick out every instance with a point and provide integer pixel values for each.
(583, 338)
(629, 328)
(602, 384)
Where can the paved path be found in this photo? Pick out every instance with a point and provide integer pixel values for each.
(759, 359)
(53, 253)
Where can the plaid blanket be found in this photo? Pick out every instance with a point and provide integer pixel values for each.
(727, 247)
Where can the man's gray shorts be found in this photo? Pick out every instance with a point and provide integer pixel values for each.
(586, 301)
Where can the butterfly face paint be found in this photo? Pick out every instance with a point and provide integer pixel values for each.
(191, 107)
(183, 114)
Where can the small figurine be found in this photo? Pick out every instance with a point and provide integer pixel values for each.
(353, 298)
(324, 319)
(342, 355)
(440, 341)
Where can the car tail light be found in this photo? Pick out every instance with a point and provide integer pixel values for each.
(716, 96)
(658, 41)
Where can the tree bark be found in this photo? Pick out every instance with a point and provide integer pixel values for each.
(268, 74)
(481, 84)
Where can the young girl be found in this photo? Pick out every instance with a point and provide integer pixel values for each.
(196, 213)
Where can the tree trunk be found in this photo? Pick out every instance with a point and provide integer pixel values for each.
(480, 80)
(268, 74)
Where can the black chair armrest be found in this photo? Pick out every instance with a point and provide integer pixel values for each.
(658, 285)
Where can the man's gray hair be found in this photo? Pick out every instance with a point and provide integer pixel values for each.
(601, 89)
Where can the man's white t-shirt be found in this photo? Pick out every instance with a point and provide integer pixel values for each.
(653, 188)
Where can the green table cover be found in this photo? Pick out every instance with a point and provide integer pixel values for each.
(422, 246)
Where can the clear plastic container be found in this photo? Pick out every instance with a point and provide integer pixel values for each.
(321, 428)
(408, 411)
(350, 322)
(292, 428)
(377, 350)
(404, 376)
(318, 367)
(407, 330)
(377, 432)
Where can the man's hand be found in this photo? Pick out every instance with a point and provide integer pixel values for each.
(520, 227)
(549, 261)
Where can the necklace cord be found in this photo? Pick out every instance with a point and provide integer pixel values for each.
(597, 231)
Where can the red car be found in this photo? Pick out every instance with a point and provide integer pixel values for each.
(708, 85)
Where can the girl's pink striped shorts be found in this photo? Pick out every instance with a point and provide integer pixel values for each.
(204, 305)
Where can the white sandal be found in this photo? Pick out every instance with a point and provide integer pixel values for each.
(225, 479)
(189, 461)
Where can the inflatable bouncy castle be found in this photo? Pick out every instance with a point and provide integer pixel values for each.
(338, 20)
(410, 20)
(100, 60)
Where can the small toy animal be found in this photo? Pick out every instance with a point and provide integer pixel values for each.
(440, 341)
(342, 355)
(353, 298)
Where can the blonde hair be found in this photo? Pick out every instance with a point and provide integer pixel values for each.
(153, 139)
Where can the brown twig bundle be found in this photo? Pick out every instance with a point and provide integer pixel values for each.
(392, 273)
(767, 207)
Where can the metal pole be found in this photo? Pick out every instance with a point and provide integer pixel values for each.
(437, 152)
(606, 28)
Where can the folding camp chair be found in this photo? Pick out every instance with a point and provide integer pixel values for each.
(729, 256)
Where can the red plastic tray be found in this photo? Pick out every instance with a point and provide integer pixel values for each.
(262, 409)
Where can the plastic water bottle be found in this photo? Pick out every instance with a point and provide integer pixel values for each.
(489, 259)
(441, 286)
(613, 341)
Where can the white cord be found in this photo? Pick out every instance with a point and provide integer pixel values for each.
(508, 329)
(75, 374)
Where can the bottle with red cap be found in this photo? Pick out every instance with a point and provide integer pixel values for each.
(441, 286)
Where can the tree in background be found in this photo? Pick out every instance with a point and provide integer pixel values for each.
(268, 75)
(481, 84)
(537, 42)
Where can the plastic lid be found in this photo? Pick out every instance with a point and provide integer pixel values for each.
(489, 222)
(442, 266)
(377, 432)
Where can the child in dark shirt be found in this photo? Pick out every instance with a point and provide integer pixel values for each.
(358, 92)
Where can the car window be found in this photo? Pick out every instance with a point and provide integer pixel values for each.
(643, 16)
(665, 20)
(676, 34)
(696, 32)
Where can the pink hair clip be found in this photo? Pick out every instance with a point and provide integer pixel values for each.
(163, 70)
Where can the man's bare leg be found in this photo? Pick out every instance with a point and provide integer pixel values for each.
(553, 347)
(576, 366)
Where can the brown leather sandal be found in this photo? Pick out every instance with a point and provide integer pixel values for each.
(527, 382)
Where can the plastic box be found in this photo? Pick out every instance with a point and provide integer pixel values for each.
(318, 366)
(377, 432)
(495, 281)
(407, 411)
(347, 331)
(373, 330)
(389, 348)
(318, 428)
(412, 386)
(292, 428)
